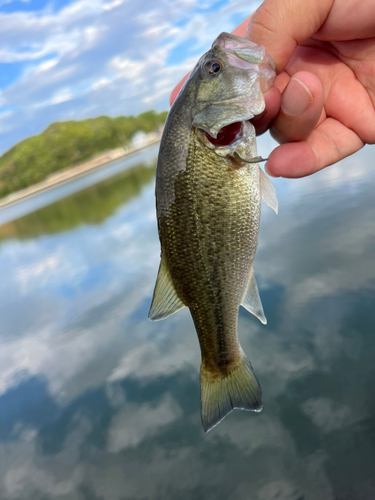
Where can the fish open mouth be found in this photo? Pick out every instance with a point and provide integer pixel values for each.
(227, 135)
(240, 135)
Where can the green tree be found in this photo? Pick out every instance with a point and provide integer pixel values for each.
(65, 144)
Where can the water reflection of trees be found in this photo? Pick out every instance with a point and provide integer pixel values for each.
(90, 206)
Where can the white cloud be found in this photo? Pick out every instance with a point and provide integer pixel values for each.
(149, 360)
(6, 114)
(103, 82)
(279, 490)
(5, 2)
(44, 66)
(137, 422)
(331, 415)
(162, 29)
(112, 59)
(113, 4)
(62, 95)
(53, 267)
(28, 477)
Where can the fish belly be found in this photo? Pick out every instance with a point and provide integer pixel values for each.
(209, 238)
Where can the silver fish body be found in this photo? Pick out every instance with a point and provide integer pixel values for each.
(208, 196)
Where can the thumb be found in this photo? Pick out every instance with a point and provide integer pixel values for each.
(282, 25)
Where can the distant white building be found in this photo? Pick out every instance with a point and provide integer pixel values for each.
(139, 139)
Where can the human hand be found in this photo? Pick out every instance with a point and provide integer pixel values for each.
(325, 58)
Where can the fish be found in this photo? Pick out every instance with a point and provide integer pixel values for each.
(208, 191)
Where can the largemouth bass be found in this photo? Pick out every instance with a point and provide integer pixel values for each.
(208, 193)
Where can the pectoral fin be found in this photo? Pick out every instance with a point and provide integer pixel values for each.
(251, 300)
(165, 300)
(268, 191)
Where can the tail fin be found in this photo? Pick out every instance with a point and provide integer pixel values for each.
(237, 389)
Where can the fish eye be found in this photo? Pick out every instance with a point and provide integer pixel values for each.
(213, 67)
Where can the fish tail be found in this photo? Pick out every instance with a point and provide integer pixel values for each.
(221, 394)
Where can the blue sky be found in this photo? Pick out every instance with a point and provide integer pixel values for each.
(69, 60)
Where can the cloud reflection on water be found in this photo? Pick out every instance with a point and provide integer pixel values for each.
(113, 400)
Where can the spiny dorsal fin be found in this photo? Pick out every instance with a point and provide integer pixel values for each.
(268, 191)
(251, 300)
(165, 300)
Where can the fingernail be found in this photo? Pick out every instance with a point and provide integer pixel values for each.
(296, 98)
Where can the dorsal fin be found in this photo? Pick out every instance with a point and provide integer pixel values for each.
(251, 300)
(165, 300)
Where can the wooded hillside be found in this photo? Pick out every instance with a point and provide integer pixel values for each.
(65, 144)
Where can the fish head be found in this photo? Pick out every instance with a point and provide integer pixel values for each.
(230, 80)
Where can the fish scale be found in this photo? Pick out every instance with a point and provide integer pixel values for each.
(208, 200)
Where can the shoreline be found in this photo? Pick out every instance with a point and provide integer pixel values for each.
(63, 176)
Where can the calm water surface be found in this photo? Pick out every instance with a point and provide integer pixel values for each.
(98, 403)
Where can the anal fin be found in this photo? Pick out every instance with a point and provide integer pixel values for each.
(251, 300)
(165, 300)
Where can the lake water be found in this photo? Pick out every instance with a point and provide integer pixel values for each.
(99, 403)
